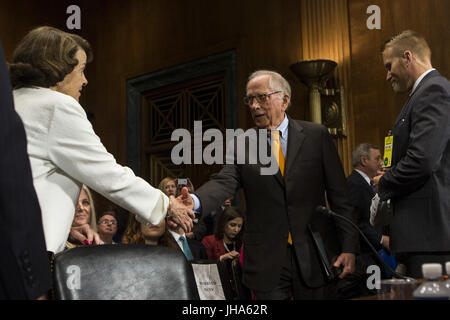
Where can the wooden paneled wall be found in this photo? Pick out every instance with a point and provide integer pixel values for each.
(132, 38)
(325, 35)
(20, 16)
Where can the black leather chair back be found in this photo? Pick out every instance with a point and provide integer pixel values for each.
(123, 272)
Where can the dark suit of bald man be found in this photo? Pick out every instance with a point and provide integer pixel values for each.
(25, 268)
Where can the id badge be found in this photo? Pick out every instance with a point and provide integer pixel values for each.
(388, 145)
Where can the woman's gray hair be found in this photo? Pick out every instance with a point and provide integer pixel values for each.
(45, 56)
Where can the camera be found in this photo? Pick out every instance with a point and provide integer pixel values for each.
(183, 182)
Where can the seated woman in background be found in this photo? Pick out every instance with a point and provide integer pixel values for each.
(226, 242)
(162, 235)
(84, 214)
(168, 186)
(107, 226)
(47, 75)
(141, 233)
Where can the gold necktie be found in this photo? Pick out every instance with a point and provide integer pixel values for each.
(278, 153)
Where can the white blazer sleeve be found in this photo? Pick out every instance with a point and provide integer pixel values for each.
(77, 150)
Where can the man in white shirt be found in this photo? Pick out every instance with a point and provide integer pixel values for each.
(192, 249)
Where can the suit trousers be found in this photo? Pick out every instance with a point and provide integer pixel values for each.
(291, 285)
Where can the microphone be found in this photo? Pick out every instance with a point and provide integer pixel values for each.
(325, 210)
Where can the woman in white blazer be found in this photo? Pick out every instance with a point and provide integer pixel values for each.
(47, 75)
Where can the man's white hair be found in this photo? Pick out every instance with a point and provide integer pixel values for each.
(276, 81)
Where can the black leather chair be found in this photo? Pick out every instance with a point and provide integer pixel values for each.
(123, 272)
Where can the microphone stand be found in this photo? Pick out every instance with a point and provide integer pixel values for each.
(327, 211)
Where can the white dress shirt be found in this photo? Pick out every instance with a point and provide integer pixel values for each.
(177, 237)
(420, 79)
(64, 153)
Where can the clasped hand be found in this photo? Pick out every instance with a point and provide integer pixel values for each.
(181, 211)
(229, 255)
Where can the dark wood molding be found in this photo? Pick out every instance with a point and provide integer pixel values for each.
(222, 62)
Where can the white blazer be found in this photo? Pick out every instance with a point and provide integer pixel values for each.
(64, 153)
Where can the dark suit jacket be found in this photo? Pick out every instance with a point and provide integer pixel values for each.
(418, 182)
(197, 249)
(277, 205)
(24, 269)
(361, 195)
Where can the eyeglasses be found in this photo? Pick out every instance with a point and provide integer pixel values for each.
(107, 222)
(261, 98)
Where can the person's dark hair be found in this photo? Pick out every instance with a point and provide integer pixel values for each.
(45, 56)
(133, 234)
(111, 211)
(228, 214)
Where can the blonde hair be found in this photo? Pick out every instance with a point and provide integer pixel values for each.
(164, 182)
(92, 218)
(408, 40)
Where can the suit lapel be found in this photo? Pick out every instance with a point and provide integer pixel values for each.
(406, 105)
(362, 182)
(430, 75)
(295, 142)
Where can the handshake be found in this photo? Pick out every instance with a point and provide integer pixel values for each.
(181, 211)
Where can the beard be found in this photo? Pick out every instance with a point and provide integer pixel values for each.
(398, 87)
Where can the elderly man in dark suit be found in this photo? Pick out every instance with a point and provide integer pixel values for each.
(367, 163)
(280, 259)
(418, 182)
(25, 268)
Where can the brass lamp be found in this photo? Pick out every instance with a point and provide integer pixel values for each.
(315, 74)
